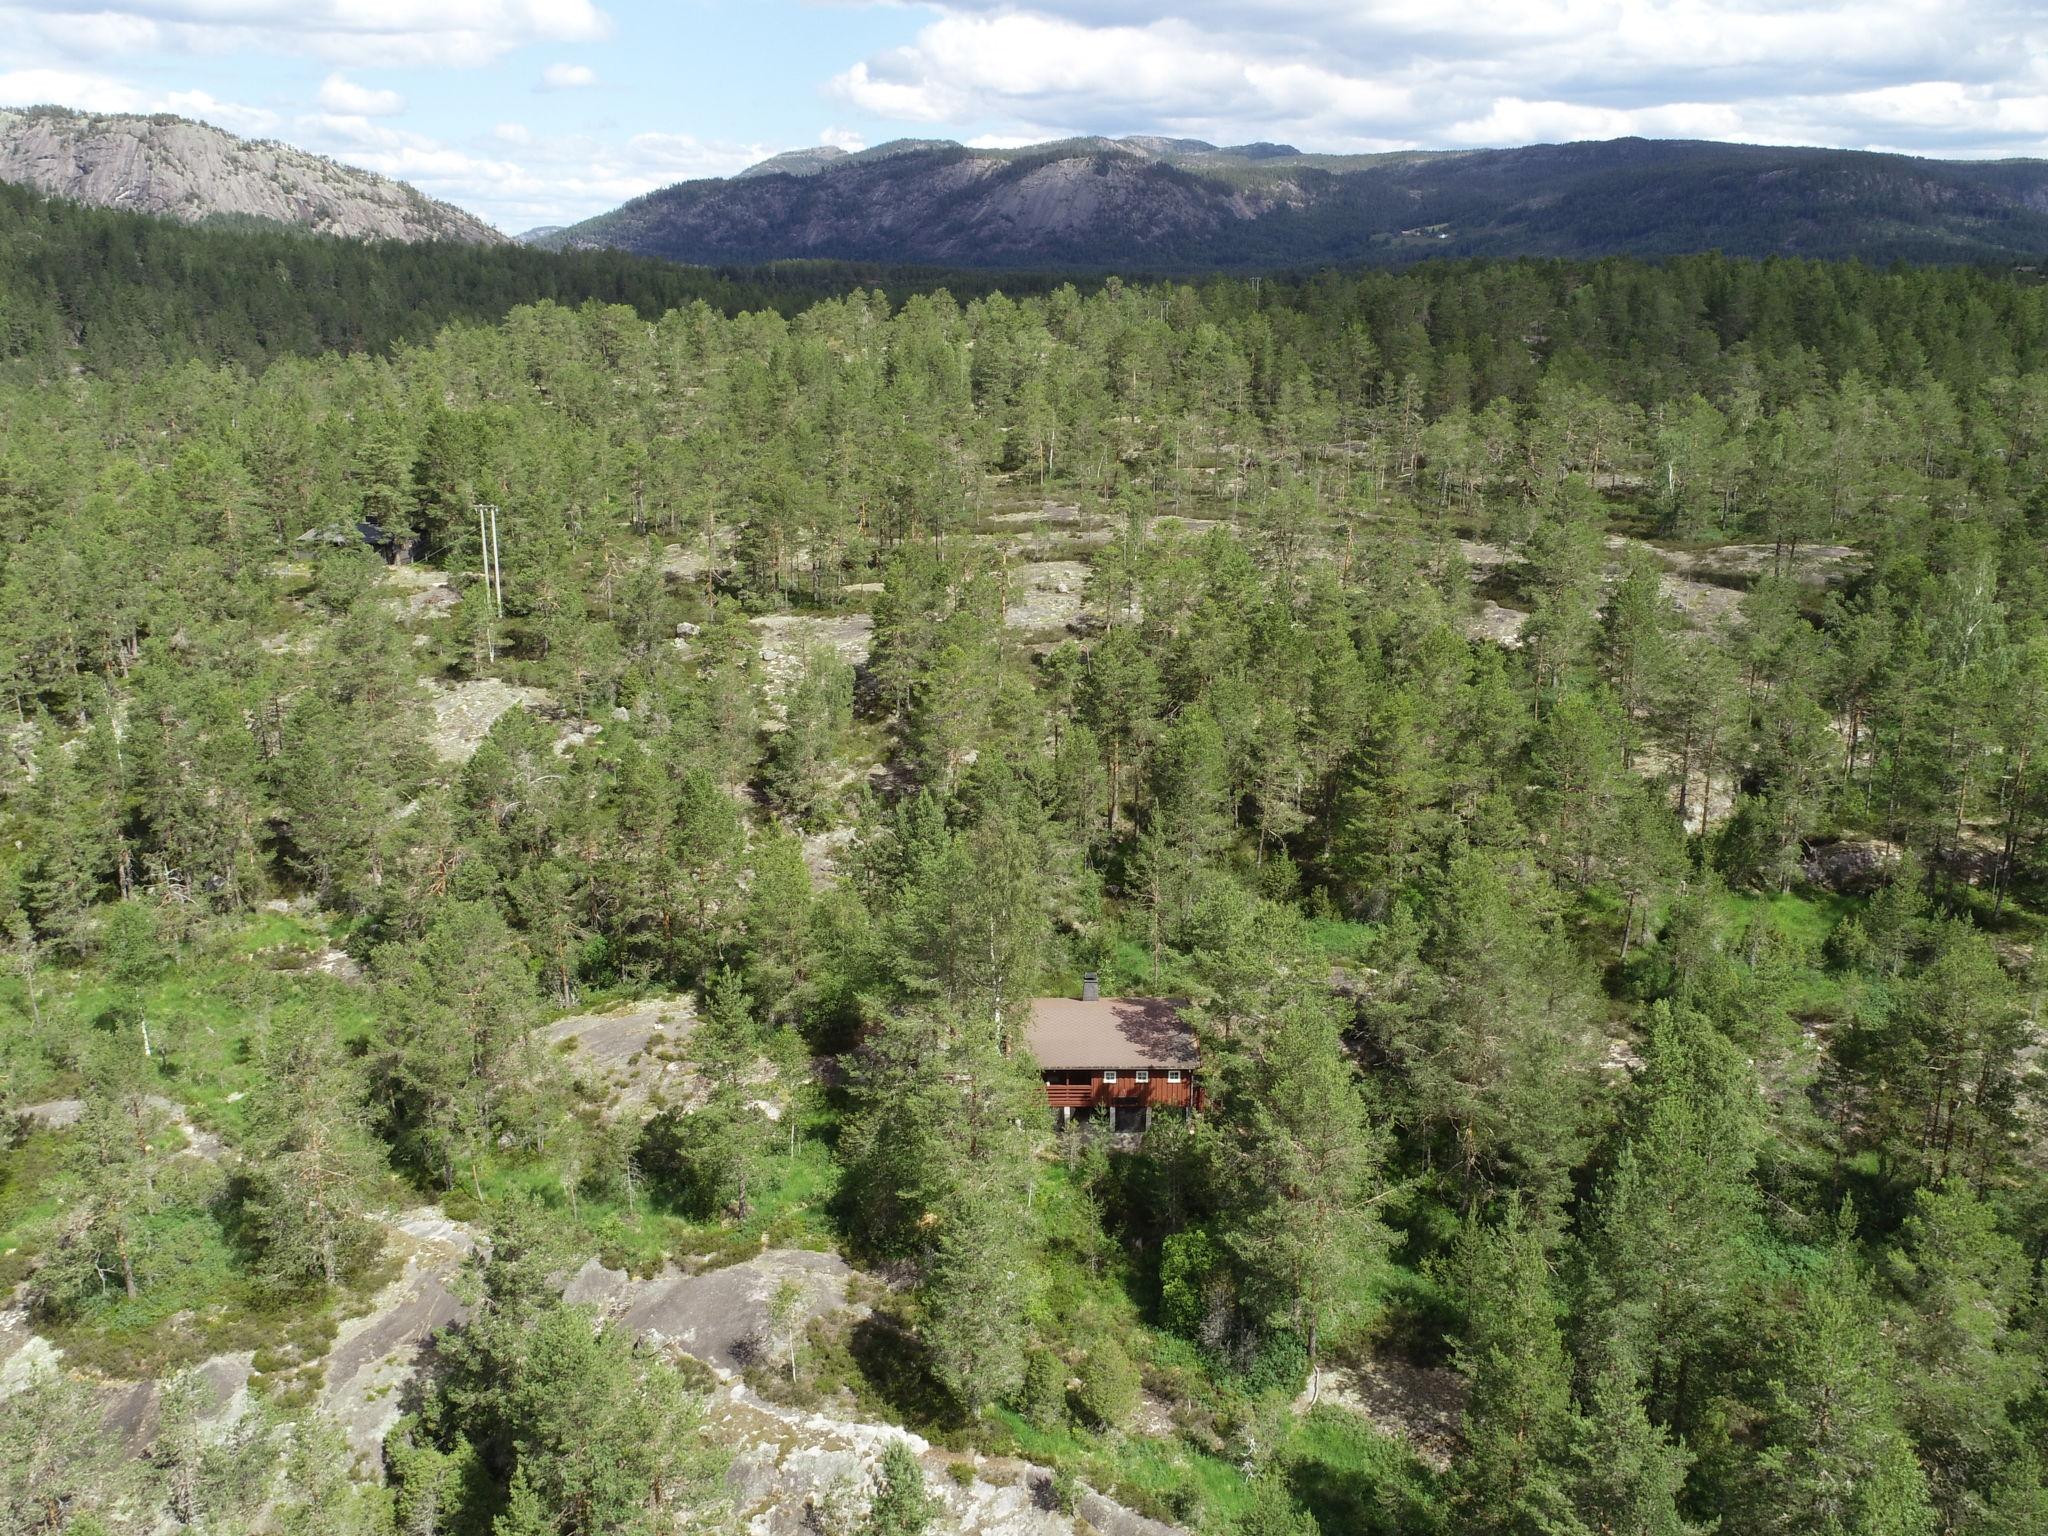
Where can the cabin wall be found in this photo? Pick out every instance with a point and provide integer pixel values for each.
(1087, 1090)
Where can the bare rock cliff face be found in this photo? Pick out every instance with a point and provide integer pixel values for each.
(191, 171)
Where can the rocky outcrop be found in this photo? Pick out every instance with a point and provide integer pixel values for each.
(791, 1466)
(378, 1357)
(192, 171)
(465, 712)
(1857, 865)
(795, 162)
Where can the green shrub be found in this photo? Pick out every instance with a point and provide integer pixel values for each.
(1108, 1394)
(1280, 1364)
(900, 1507)
(1273, 1513)
(1190, 1271)
(1065, 1490)
(1043, 1397)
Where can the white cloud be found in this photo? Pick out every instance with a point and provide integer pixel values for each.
(685, 157)
(233, 116)
(567, 77)
(1946, 76)
(70, 88)
(338, 93)
(370, 33)
(843, 138)
(524, 179)
(88, 92)
(100, 34)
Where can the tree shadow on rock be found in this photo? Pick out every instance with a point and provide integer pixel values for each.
(897, 1367)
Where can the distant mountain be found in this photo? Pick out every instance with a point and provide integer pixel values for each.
(796, 162)
(194, 171)
(1185, 205)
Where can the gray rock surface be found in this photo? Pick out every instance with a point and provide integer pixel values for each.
(62, 1114)
(721, 1317)
(789, 639)
(186, 170)
(465, 712)
(377, 1358)
(1853, 864)
(1044, 594)
(618, 1055)
(1421, 1404)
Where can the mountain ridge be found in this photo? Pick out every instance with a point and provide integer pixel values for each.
(192, 171)
(1184, 204)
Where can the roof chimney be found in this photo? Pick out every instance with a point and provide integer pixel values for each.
(1090, 990)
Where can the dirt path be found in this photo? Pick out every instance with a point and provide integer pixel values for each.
(1423, 1406)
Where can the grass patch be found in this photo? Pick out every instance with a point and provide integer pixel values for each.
(1804, 916)
(208, 1014)
(26, 1202)
(790, 1209)
(1341, 939)
(1352, 1478)
(196, 1301)
(1165, 1479)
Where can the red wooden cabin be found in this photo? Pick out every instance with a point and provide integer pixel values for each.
(1114, 1059)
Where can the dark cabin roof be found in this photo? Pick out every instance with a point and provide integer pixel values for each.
(1067, 1034)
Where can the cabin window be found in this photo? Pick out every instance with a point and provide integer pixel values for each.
(1173, 1077)
(1144, 1076)
(1109, 1076)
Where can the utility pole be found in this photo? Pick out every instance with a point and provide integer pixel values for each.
(487, 540)
(494, 580)
(497, 571)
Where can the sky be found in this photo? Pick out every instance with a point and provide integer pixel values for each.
(533, 112)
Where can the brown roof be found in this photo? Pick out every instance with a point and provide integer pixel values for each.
(1069, 1035)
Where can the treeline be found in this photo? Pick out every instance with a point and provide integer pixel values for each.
(117, 292)
(1729, 1217)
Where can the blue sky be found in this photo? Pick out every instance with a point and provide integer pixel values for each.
(542, 111)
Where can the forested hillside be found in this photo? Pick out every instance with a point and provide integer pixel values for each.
(1180, 205)
(117, 293)
(1573, 734)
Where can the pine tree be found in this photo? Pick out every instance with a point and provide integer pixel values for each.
(710, 1157)
(105, 1236)
(313, 1163)
(900, 1506)
(604, 1435)
(1518, 1380)
(801, 766)
(1295, 1142)
(1834, 1454)
(455, 1053)
(973, 1302)
(1969, 1362)
(1625, 1475)
(59, 1469)
(1675, 1220)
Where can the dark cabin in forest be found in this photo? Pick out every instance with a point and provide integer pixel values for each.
(1114, 1059)
(389, 548)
